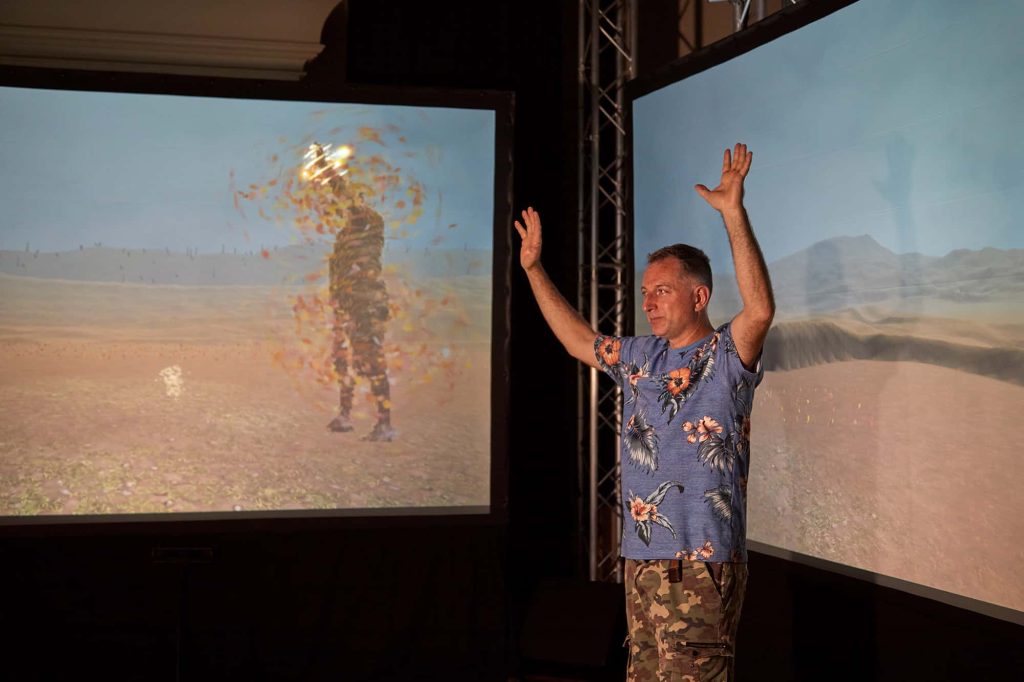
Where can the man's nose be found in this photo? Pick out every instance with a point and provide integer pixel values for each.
(648, 302)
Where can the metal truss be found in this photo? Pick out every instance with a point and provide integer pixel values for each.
(690, 18)
(607, 36)
(689, 9)
(740, 9)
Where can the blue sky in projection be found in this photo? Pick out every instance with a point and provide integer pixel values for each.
(894, 118)
(153, 171)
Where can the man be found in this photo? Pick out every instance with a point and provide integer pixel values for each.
(685, 438)
(358, 296)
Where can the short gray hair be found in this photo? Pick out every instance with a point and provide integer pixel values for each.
(694, 261)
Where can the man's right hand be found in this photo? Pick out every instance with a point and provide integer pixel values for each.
(529, 253)
(565, 321)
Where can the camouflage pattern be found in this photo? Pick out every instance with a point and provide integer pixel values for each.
(360, 303)
(682, 618)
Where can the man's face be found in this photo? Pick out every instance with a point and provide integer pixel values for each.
(669, 301)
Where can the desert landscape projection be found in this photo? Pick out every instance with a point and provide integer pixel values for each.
(167, 313)
(888, 421)
(887, 195)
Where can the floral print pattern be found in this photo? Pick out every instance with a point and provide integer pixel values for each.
(704, 429)
(677, 380)
(715, 449)
(703, 553)
(720, 501)
(641, 442)
(681, 383)
(609, 350)
(644, 511)
(705, 445)
(634, 373)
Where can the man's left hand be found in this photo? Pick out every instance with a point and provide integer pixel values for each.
(728, 196)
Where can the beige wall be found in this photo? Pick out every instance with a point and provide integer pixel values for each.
(241, 38)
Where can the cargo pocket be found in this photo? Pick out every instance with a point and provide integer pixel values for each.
(699, 661)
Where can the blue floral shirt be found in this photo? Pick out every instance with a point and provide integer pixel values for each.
(685, 445)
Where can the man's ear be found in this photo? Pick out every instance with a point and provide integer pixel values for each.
(701, 297)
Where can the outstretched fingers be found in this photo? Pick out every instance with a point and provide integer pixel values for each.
(741, 159)
(519, 229)
(529, 229)
(524, 231)
(745, 168)
(737, 159)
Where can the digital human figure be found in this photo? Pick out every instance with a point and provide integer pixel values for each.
(358, 295)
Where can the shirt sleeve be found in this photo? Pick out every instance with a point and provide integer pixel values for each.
(608, 351)
(620, 356)
(730, 358)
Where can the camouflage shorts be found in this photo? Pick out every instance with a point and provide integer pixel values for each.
(360, 334)
(682, 618)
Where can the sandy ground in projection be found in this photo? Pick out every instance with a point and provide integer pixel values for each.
(92, 421)
(904, 469)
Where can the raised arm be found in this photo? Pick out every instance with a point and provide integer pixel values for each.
(751, 324)
(565, 321)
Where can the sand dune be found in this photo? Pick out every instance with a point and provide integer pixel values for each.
(792, 345)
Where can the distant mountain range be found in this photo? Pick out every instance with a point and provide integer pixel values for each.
(275, 266)
(826, 285)
(834, 274)
(844, 272)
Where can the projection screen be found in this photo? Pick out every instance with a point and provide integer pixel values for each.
(886, 193)
(268, 303)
